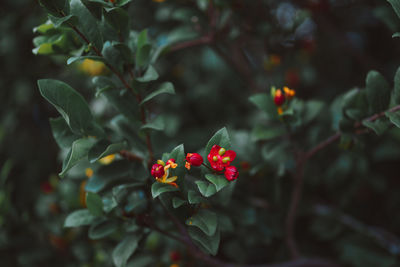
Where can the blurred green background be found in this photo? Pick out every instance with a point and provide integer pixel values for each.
(327, 52)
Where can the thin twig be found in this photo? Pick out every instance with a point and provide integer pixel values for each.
(130, 156)
(302, 160)
(206, 39)
(127, 86)
(296, 197)
(166, 233)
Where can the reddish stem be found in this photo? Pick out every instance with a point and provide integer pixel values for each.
(299, 178)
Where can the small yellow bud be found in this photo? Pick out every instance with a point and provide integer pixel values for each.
(93, 68)
(89, 172)
(215, 158)
(221, 151)
(107, 159)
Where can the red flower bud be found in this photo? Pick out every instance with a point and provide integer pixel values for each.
(157, 171)
(46, 187)
(279, 98)
(175, 256)
(231, 173)
(194, 159)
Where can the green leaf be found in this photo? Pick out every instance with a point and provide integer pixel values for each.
(69, 103)
(94, 204)
(355, 104)
(102, 229)
(396, 91)
(118, 18)
(87, 23)
(218, 180)
(178, 153)
(55, 7)
(113, 56)
(108, 174)
(79, 150)
(379, 126)
(208, 243)
(105, 4)
(396, 6)
(104, 148)
(142, 39)
(394, 117)
(79, 218)
(202, 4)
(124, 103)
(44, 28)
(164, 88)
(143, 55)
(264, 102)
(205, 220)
(62, 133)
(150, 75)
(177, 202)
(206, 189)
(125, 249)
(59, 21)
(159, 188)
(260, 132)
(73, 59)
(312, 110)
(157, 125)
(123, 2)
(194, 198)
(220, 138)
(396, 35)
(378, 91)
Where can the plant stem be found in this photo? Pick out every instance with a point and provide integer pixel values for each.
(130, 156)
(206, 39)
(127, 86)
(302, 160)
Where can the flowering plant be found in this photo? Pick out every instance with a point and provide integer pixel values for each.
(252, 188)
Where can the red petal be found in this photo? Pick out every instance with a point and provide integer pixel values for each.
(231, 154)
(214, 150)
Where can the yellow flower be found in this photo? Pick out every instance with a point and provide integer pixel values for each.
(89, 172)
(93, 68)
(272, 61)
(289, 93)
(165, 179)
(107, 159)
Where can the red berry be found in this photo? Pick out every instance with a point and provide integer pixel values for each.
(292, 78)
(46, 187)
(175, 256)
(231, 173)
(194, 159)
(279, 98)
(157, 171)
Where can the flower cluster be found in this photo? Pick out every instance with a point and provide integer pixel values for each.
(160, 171)
(281, 97)
(221, 159)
